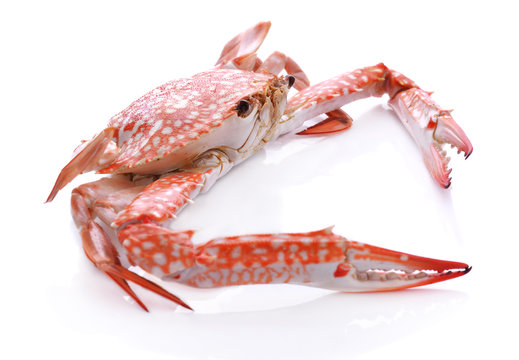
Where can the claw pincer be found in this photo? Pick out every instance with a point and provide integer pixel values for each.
(177, 140)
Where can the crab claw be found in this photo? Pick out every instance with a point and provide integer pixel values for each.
(431, 127)
(371, 268)
(448, 131)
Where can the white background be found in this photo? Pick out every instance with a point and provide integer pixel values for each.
(66, 68)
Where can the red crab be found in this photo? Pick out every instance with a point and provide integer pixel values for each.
(178, 139)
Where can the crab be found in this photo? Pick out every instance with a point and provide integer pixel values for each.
(174, 142)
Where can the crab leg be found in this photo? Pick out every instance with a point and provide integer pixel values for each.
(320, 258)
(151, 246)
(163, 198)
(96, 243)
(106, 197)
(91, 155)
(427, 122)
(239, 52)
(139, 211)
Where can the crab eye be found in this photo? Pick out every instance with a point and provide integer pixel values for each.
(291, 80)
(243, 108)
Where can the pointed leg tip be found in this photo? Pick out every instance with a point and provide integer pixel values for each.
(121, 275)
(177, 301)
(124, 285)
(143, 307)
(303, 132)
(337, 121)
(52, 194)
(266, 24)
(187, 306)
(139, 302)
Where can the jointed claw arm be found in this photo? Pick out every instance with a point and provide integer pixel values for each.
(429, 124)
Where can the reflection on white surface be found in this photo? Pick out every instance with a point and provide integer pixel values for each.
(287, 320)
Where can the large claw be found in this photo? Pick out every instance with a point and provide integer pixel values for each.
(318, 258)
(431, 127)
(371, 268)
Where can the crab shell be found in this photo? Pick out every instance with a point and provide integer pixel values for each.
(171, 126)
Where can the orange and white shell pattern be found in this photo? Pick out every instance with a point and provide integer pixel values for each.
(179, 113)
(177, 140)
